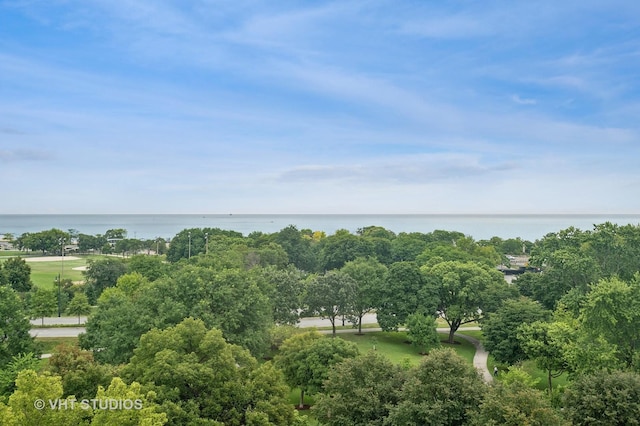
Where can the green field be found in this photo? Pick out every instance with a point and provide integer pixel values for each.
(47, 344)
(44, 274)
(396, 347)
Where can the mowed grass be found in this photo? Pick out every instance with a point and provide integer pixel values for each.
(48, 344)
(45, 274)
(396, 346)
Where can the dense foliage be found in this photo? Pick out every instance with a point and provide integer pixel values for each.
(185, 332)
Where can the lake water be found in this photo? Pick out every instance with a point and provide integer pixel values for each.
(149, 226)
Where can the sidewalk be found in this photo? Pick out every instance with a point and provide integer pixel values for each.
(58, 321)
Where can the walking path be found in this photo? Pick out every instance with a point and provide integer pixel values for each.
(480, 357)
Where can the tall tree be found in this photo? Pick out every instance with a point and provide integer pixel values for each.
(463, 289)
(79, 305)
(285, 288)
(300, 250)
(48, 242)
(80, 373)
(359, 391)
(17, 274)
(199, 377)
(29, 405)
(342, 247)
(42, 303)
(369, 276)
(545, 343)
(443, 390)
(422, 332)
(612, 312)
(330, 295)
(305, 360)
(101, 274)
(14, 327)
(500, 328)
(404, 292)
(516, 404)
(604, 398)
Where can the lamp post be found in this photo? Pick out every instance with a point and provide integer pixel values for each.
(206, 243)
(189, 245)
(62, 257)
(61, 272)
(59, 280)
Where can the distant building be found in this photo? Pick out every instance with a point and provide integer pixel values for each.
(4, 244)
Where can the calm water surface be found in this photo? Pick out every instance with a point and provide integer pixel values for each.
(147, 226)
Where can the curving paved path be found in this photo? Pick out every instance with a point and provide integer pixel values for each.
(480, 358)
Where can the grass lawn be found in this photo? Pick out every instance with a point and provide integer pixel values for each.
(47, 344)
(9, 253)
(395, 346)
(44, 274)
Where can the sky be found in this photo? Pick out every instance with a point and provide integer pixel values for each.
(347, 106)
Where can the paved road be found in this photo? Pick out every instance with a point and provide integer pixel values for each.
(58, 321)
(57, 332)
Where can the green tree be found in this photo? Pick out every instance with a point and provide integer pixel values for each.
(17, 274)
(422, 332)
(145, 412)
(342, 247)
(305, 360)
(48, 242)
(10, 372)
(546, 343)
(81, 374)
(516, 404)
(31, 391)
(612, 312)
(359, 391)
(101, 274)
(14, 327)
(43, 303)
(604, 398)
(113, 330)
(403, 293)
(443, 390)
(369, 276)
(79, 305)
(406, 247)
(198, 376)
(462, 289)
(300, 250)
(330, 295)
(500, 328)
(128, 246)
(564, 270)
(117, 233)
(285, 288)
(191, 242)
(91, 243)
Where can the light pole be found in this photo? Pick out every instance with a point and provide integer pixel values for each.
(59, 279)
(206, 243)
(62, 257)
(61, 272)
(189, 245)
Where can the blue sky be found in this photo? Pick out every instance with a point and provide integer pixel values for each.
(210, 106)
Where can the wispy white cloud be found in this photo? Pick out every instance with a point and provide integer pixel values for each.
(23, 155)
(523, 101)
